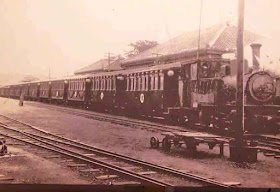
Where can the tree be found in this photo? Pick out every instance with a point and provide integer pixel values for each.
(141, 46)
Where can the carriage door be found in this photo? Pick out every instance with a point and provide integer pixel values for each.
(188, 73)
(171, 89)
(120, 88)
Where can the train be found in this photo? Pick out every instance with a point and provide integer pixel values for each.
(194, 92)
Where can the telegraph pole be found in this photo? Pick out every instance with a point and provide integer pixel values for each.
(240, 151)
(198, 40)
(239, 129)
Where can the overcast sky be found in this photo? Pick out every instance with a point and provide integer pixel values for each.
(65, 35)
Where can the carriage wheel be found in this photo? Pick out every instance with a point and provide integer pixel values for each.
(154, 142)
(177, 143)
(166, 144)
(204, 119)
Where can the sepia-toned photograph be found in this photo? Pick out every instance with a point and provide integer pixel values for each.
(139, 95)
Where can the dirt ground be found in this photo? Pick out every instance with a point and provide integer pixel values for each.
(27, 168)
(135, 142)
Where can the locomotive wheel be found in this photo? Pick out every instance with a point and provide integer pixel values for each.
(154, 143)
(166, 144)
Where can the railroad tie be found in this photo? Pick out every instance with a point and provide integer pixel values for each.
(6, 178)
(52, 156)
(76, 165)
(104, 177)
(89, 154)
(147, 172)
(232, 183)
(130, 168)
(126, 183)
(269, 154)
(91, 170)
(67, 160)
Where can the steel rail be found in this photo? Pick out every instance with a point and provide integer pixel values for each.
(128, 159)
(87, 159)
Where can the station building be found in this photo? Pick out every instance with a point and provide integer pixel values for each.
(218, 41)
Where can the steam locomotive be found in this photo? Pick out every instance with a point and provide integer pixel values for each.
(198, 91)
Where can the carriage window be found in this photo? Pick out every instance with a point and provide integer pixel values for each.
(228, 72)
(143, 82)
(127, 83)
(93, 83)
(161, 81)
(147, 82)
(135, 84)
(152, 81)
(108, 84)
(193, 71)
(131, 83)
(114, 83)
(97, 84)
(156, 82)
(139, 83)
(100, 84)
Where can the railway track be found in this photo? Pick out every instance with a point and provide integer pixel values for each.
(99, 158)
(265, 143)
(115, 119)
(268, 144)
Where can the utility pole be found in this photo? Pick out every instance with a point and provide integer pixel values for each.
(239, 151)
(109, 58)
(49, 72)
(198, 41)
(239, 129)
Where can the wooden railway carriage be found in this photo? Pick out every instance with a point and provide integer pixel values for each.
(6, 91)
(152, 90)
(34, 91)
(59, 90)
(12, 91)
(77, 93)
(25, 90)
(44, 91)
(1, 91)
(103, 91)
(18, 89)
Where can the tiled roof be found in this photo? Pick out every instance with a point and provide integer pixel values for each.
(97, 66)
(221, 37)
(101, 65)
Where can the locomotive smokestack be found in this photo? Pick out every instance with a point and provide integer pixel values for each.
(256, 53)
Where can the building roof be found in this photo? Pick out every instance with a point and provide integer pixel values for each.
(221, 37)
(101, 65)
(96, 66)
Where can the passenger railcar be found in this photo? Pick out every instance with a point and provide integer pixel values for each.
(34, 91)
(58, 91)
(150, 91)
(102, 93)
(78, 88)
(44, 91)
